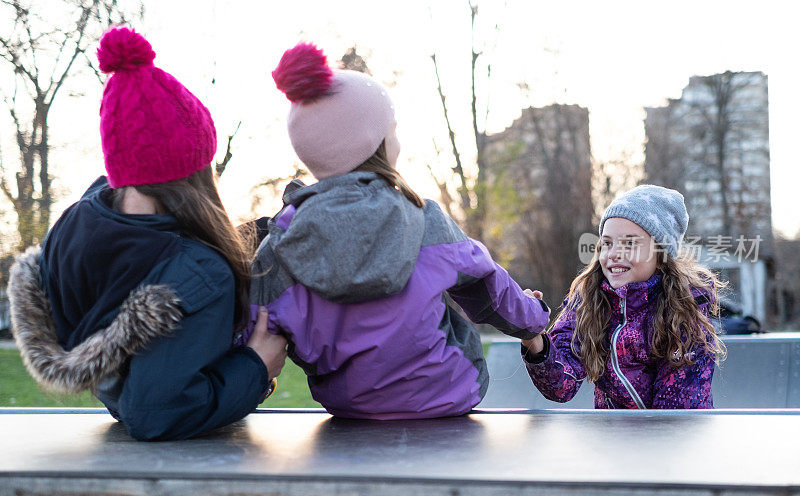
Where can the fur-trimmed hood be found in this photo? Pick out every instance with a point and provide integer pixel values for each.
(147, 313)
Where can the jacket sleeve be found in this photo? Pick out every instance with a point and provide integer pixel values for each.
(290, 308)
(488, 294)
(192, 382)
(556, 372)
(688, 386)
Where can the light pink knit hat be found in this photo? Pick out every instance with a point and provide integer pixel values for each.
(338, 118)
(153, 130)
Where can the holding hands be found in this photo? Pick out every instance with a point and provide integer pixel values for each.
(536, 344)
(271, 348)
(533, 294)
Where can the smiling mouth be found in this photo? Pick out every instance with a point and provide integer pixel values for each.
(618, 270)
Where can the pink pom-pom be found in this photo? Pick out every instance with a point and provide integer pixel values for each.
(303, 73)
(123, 48)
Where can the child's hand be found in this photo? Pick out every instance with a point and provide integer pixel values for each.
(533, 294)
(535, 345)
(271, 348)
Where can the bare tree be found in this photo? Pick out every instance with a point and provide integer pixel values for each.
(714, 138)
(540, 185)
(718, 120)
(42, 46)
(611, 177)
(471, 188)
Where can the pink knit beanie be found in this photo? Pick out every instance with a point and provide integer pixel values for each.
(338, 118)
(153, 130)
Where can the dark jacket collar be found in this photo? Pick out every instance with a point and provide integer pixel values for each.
(99, 196)
(93, 258)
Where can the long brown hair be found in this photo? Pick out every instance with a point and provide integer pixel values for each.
(679, 328)
(379, 164)
(194, 201)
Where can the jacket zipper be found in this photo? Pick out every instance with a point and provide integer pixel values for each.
(615, 359)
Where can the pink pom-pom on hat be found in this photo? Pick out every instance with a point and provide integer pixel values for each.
(122, 48)
(303, 73)
(337, 118)
(153, 130)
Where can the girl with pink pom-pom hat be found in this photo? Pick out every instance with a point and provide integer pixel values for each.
(141, 287)
(356, 268)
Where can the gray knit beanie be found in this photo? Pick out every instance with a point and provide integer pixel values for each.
(659, 211)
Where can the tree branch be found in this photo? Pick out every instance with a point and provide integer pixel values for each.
(3, 185)
(458, 169)
(12, 50)
(273, 183)
(475, 55)
(10, 54)
(31, 43)
(444, 193)
(82, 23)
(220, 166)
(61, 47)
(94, 69)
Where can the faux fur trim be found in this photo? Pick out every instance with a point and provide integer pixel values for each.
(148, 312)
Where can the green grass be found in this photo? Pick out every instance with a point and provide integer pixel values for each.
(17, 388)
(292, 391)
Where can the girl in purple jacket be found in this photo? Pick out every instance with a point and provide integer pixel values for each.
(359, 273)
(636, 320)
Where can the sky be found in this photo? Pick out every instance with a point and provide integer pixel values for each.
(613, 57)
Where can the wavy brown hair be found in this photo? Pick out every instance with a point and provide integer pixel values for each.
(194, 201)
(679, 326)
(379, 164)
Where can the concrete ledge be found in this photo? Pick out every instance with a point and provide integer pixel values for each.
(182, 487)
(490, 452)
(761, 371)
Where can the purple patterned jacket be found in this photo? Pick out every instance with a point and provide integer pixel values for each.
(632, 379)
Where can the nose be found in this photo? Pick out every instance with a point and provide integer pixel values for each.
(614, 253)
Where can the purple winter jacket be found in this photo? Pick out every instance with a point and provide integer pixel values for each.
(632, 379)
(356, 278)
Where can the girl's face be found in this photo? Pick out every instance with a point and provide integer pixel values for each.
(627, 253)
(392, 146)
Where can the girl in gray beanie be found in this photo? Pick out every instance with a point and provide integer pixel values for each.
(636, 320)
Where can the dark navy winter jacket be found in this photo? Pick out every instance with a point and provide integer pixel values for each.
(180, 385)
